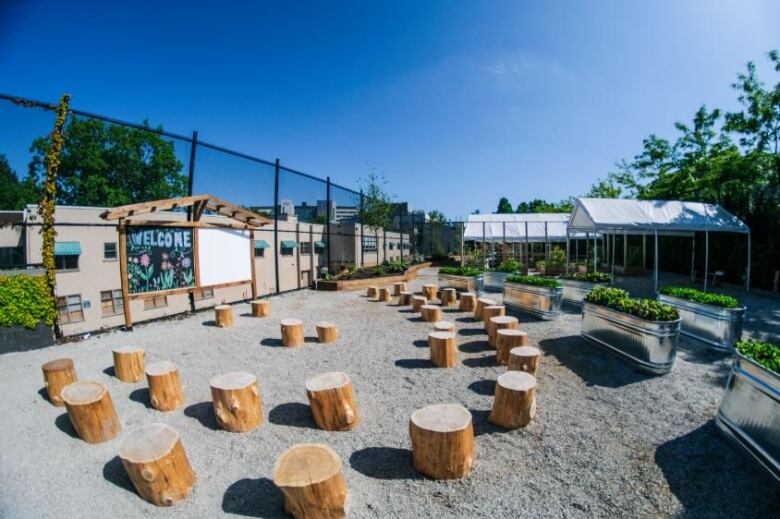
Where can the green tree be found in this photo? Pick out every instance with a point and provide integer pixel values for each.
(377, 202)
(542, 206)
(106, 165)
(436, 216)
(504, 206)
(16, 193)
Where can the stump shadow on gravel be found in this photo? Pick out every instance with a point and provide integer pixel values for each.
(467, 319)
(203, 412)
(110, 371)
(292, 414)
(115, 473)
(470, 332)
(406, 311)
(414, 364)
(64, 424)
(421, 343)
(141, 395)
(417, 319)
(212, 323)
(707, 475)
(254, 498)
(384, 463)
(485, 387)
(475, 347)
(594, 364)
(44, 394)
(482, 362)
(479, 420)
(272, 342)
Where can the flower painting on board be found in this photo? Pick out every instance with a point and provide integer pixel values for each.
(159, 258)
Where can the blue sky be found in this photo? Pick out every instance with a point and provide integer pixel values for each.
(456, 103)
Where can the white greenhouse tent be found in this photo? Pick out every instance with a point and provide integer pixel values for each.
(517, 227)
(656, 217)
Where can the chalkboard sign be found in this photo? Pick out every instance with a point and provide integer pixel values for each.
(159, 258)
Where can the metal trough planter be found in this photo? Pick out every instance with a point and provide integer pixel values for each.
(494, 281)
(749, 414)
(650, 345)
(719, 328)
(475, 284)
(575, 291)
(543, 302)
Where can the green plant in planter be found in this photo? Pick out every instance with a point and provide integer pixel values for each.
(620, 300)
(509, 266)
(24, 301)
(590, 277)
(461, 271)
(764, 353)
(535, 281)
(697, 296)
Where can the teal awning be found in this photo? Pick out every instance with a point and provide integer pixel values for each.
(289, 244)
(67, 248)
(261, 244)
(320, 244)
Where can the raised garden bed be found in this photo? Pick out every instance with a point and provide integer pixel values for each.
(749, 414)
(577, 286)
(713, 319)
(538, 296)
(495, 279)
(642, 331)
(462, 279)
(363, 282)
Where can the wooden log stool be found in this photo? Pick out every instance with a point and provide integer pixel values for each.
(309, 475)
(332, 401)
(444, 353)
(442, 441)
(156, 463)
(429, 291)
(482, 302)
(515, 402)
(261, 308)
(507, 339)
(327, 332)
(292, 332)
(223, 316)
(165, 389)
(418, 302)
(385, 295)
(430, 313)
(91, 411)
(448, 297)
(500, 322)
(524, 358)
(399, 287)
(372, 292)
(236, 401)
(128, 363)
(405, 298)
(468, 302)
(56, 375)
(444, 326)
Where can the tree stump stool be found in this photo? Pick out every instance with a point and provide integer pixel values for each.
(327, 332)
(442, 441)
(444, 326)
(385, 295)
(429, 291)
(524, 358)
(515, 402)
(261, 308)
(500, 322)
(332, 401)
(223, 316)
(482, 302)
(292, 332)
(309, 475)
(444, 353)
(430, 313)
(488, 313)
(154, 459)
(418, 302)
(468, 302)
(405, 298)
(91, 411)
(236, 401)
(128, 363)
(399, 287)
(57, 374)
(448, 297)
(372, 292)
(165, 390)
(507, 339)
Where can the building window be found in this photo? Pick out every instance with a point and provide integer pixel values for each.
(109, 251)
(111, 302)
(390, 246)
(369, 243)
(205, 293)
(153, 302)
(319, 247)
(69, 309)
(305, 247)
(286, 251)
(66, 262)
(259, 253)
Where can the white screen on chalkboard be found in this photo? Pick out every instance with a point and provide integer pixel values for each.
(223, 256)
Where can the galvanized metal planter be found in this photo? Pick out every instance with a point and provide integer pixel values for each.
(650, 345)
(717, 327)
(575, 291)
(749, 414)
(475, 284)
(494, 281)
(543, 302)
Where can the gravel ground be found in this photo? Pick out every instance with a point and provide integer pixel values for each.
(606, 440)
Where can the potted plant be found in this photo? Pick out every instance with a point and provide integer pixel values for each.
(714, 319)
(643, 331)
(577, 285)
(538, 296)
(496, 277)
(468, 279)
(749, 413)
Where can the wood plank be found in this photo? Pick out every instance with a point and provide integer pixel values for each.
(252, 259)
(123, 274)
(180, 291)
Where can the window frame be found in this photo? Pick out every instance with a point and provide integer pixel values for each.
(66, 316)
(115, 296)
(154, 302)
(64, 257)
(203, 294)
(305, 248)
(116, 251)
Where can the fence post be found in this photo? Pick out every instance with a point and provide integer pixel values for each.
(327, 223)
(276, 224)
(362, 252)
(401, 232)
(191, 179)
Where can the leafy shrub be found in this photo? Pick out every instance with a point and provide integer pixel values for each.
(534, 280)
(590, 277)
(557, 258)
(618, 299)
(461, 271)
(509, 266)
(697, 296)
(765, 353)
(397, 265)
(25, 301)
